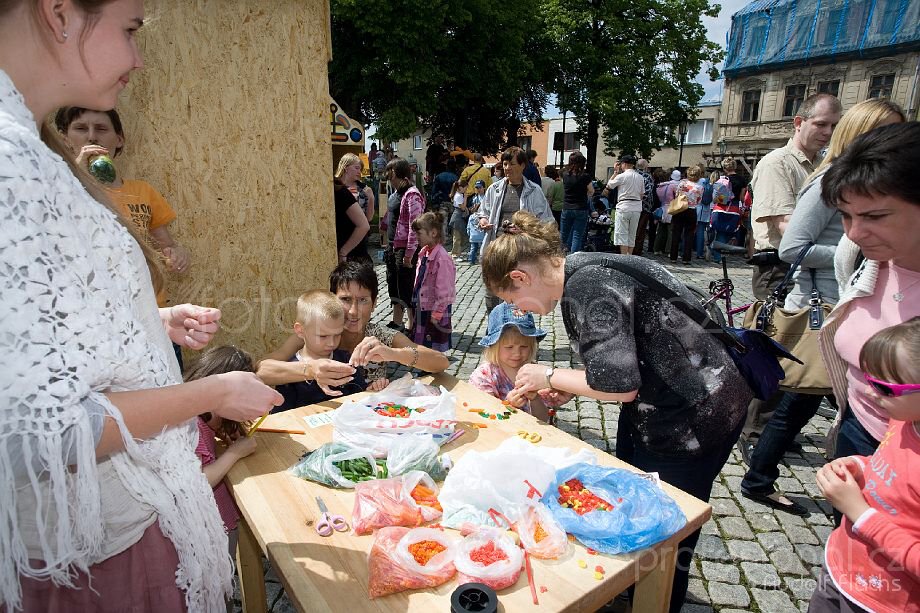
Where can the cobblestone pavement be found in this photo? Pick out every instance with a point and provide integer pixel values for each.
(750, 557)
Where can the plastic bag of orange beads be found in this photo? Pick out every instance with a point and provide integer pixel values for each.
(409, 559)
(408, 500)
(541, 535)
(488, 556)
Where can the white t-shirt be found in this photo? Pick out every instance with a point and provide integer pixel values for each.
(459, 199)
(631, 189)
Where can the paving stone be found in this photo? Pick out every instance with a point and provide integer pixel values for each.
(710, 527)
(801, 587)
(590, 412)
(726, 573)
(725, 594)
(719, 491)
(697, 590)
(788, 519)
(695, 569)
(789, 485)
(788, 563)
(750, 551)
(812, 555)
(823, 532)
(590, 423)
(801, 534)
(762, 522)
(774, 601)
(733, 483)
(760, 575)
(735, 527)
(734, 469)
(724, 506)
(711, 547)
(774, 541)
(695, 608)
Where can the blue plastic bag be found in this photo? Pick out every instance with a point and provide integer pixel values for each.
(642, 515)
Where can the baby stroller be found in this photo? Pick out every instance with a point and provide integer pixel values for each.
(597, 236)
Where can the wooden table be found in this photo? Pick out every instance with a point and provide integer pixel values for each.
(330, 574)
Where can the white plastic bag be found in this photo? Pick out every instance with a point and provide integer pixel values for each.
(356, 422)
(498, 575)
(501, 480)
(318, 464)
(417, 453)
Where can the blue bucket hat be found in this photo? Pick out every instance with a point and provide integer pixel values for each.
(505, 315)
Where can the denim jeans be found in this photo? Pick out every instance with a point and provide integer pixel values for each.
(790, 416)
(475, 246)
(694, 475)
(574, 224)
(702, 236)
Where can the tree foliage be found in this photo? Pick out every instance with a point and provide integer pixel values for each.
(475, 70)
(631, 65)
(465, 68)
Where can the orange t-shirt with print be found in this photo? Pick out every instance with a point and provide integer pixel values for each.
(147, 209)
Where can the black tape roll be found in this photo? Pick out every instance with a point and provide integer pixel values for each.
(474, 598)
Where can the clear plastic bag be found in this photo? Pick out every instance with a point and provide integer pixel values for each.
(389, 502)
(498, 575)
(318, 465)
(641, 514)
(417, 453)
(358, 424)
(393, 568)
(540, 533)
(501, 479)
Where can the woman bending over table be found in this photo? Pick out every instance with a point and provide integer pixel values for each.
(372, 345)
(684, 400)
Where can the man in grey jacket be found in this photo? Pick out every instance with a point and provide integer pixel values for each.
(507, 196)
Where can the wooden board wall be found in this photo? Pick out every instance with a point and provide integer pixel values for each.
(230, 121)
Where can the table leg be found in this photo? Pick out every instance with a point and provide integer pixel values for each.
(249, 563)
(653, 592)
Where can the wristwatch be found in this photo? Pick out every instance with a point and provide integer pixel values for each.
(549, 376)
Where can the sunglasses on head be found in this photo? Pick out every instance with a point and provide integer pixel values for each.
(891, 390)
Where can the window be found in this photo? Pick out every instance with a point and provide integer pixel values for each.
(394, 147)
(881, 85)
(417, 142)
(795, 95)
(829, 87)
(565, 141)
(524, 142)
(699, 132)
(750, 105)
(830, 26)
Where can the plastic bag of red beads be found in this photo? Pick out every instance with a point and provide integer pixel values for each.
(409, 559)
(489, 557)
(409, 500)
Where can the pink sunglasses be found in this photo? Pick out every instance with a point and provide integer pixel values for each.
(892, 390)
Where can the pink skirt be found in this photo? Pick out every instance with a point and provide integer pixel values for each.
(140, 579)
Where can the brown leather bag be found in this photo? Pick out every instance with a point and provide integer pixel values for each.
(797, 331)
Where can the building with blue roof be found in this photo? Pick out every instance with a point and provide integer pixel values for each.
(781, 51)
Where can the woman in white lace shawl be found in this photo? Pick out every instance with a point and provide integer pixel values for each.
(98, 478)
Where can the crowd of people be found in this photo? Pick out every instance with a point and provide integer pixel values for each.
(108, 455)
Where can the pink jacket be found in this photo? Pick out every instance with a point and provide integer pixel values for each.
(438, 289)
(411, 206)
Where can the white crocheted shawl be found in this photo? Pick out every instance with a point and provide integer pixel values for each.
(77, 319)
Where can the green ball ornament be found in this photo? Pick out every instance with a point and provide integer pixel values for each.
(103, 168)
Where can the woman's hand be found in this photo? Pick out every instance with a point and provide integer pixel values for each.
(189, 325)
(484, 223)
(177, 258)
(372, 350)
(245, 397)
(88, 152)
(242, 447)
(531, 378)
(328, 374)
(407, 261)
(378, 385)
(555, 397)
(841, 490)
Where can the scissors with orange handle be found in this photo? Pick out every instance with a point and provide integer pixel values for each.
(328, 522)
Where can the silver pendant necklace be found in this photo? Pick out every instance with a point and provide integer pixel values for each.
(899, 295)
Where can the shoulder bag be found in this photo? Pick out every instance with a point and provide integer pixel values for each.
(797, 330)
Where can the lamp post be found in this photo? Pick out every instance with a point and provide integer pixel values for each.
(682, 129)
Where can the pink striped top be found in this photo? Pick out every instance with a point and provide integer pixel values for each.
(207, 452)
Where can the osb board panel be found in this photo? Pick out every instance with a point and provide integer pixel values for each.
(230, 121)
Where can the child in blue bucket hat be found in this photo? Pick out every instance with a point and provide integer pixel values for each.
(510, 342)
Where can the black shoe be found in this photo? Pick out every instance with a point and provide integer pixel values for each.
(746, 448)
(793, 507)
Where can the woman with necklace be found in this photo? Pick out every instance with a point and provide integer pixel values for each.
(873, 185)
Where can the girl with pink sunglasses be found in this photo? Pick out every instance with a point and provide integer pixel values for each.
(873, 559)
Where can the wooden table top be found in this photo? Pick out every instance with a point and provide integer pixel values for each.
(331, 573)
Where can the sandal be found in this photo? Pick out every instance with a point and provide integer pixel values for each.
(793, 507)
